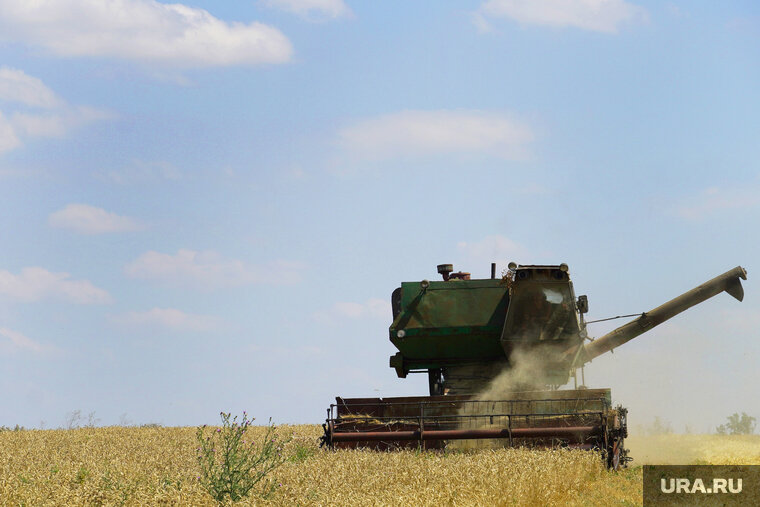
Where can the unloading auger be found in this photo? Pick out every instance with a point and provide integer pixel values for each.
(496, 352)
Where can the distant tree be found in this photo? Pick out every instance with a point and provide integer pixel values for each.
(73, 419)
(124, 421)
(738, 425)
(92, 421)
(660, 427)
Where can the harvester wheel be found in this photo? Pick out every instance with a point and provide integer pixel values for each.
(616, 456)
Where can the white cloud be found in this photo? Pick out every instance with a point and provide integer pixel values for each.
(210, 270)
(139, 171)
(533, 188)
(377, 308)
(142, 30)
(35, 284)
(494, 248)
(372, 308)
(715, 199)
(8, 138)
(170, 318)
(481, 23)
(20, 92)
(268, 352)
(57, 124)
(421, 133)
(674, 10)
(595, 15)
(19, 341)
(309, 9)
(16, 86)
(745, 25)
(40, 125)
(87, 219)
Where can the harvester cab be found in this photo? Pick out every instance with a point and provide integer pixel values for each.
(543, 320)
(496, 352)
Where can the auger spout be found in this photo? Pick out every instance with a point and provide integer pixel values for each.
(729, 282)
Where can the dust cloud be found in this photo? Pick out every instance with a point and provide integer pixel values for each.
(526, 373)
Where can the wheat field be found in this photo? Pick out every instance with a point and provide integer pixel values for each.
(157, 466)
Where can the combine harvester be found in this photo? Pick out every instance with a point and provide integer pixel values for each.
(496, 352)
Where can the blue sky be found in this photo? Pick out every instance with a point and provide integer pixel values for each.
(206, 206)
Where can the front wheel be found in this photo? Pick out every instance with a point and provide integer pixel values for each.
(617, 456)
